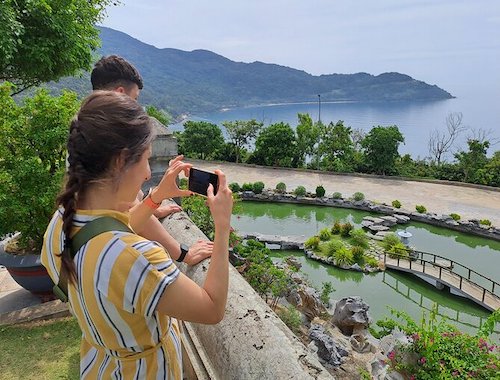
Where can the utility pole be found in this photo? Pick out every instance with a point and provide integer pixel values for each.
(319, 108)
(319, 126)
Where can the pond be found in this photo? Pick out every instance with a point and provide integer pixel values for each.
(380, 290)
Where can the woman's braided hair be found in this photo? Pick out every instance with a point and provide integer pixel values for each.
(109, 125)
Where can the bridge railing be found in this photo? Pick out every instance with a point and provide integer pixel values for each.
(446, 265)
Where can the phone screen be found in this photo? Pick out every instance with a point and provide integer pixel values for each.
(200, 179)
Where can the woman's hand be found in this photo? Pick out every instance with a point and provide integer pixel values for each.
(167, 188)
(221, 205)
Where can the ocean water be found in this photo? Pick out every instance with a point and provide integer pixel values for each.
(479, 105)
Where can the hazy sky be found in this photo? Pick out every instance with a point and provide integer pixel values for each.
(450, 43)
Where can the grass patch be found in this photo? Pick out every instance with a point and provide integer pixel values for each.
(41, 350)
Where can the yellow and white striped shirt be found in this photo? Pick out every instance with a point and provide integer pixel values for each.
(120, 279)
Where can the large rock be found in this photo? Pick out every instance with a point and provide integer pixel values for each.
(351, 314)
(307, 301)
(329, 353)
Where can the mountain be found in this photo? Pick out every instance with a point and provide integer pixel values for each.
(200, 80)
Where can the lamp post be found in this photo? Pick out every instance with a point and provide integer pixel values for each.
(319, 108)
(319, 125)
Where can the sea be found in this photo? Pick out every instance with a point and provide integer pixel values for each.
(479, 106)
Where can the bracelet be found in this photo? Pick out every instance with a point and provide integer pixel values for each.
(148, 201)
(184, 250)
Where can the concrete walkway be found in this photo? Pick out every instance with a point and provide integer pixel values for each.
(468, 202)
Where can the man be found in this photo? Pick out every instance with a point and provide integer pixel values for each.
(114, 73)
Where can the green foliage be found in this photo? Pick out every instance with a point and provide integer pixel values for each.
(358, 237)
(324, 234)
(258, 187)
(371, 261)
(291, 317)
(396, 204)
(470, 162)
(343, 257)
(161, 115)
(357, 253)
(346, 229)
(455, 217)
(333, 246)
(247, 187)
(337, 195)
(42, 40)
(398, 250)
(485, 222)
(389, 241)
(281, 187)
(443, 352)
(241, 133)
(307, 139)
(381, 149)
(183, 183)
(33, 161)
(234, 187)
(201, 139)
(358, 196)
(320, 191)
(326, 290)
(196, 207)
(312, 242)
(336, 147)
(336, 228)
(275, 145)
(421, 209)
(300, 191)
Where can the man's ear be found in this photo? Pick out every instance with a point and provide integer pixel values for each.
(121, 90)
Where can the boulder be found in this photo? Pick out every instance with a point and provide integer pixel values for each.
(293, 262)
(351, 314)
(329, 353)
(389, 220)
(307, 301)
(401, 219)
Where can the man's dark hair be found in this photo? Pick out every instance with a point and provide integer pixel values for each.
(114, 71)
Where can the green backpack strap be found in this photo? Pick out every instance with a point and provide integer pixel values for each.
(86, 233)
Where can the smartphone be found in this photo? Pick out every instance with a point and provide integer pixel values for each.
(200, 179)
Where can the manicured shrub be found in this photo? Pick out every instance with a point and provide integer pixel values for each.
(357, 253)
(337, 195)
(343, 256)
(333, 246)
(281, 187)
(398, 250)
(396, 204)
(455, 217)
(337, 226)
(234, 187)
(300, 191)
(389, 241)
(247, 187)
(346, 229)
(324, 234)
(358, 237)
(358, 196)
(312, 242)
(258, 187)
(421, 209)
(485, 222)
(320, 191)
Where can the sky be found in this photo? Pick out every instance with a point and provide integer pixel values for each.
(450, 43)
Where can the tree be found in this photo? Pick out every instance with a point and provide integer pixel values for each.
(275, 145)
(241, 132)
(307, 138)
(201, 139)
(473, 160)
(441, 143)
(381, 148)
(44, 40)
(336, 146)
(159, 114)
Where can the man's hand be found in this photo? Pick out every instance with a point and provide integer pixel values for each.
(165, 210)
(199, 251)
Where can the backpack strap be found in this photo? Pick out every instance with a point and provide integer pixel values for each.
(86, 233)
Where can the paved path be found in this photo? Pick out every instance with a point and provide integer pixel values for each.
(469, 203)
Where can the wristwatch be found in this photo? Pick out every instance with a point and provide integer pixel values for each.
(184, 251)
(149, 202)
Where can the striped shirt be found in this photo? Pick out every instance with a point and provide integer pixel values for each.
(120, 280)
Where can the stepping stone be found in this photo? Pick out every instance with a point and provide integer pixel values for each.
(389, 220)
(366, 223)
(383, 233)
(376, 228)
(401, 218)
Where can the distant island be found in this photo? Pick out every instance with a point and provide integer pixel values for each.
(201, 81)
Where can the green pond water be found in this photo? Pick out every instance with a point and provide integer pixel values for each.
(380, 290)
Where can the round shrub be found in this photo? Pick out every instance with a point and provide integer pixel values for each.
(396, 204)
(337, 226)
(343, 257)
(247, 187)
(234, 187)
(358, 196)
(320, 191)
(357, 253)
(281, 187)
(421, 209)
(455, 217)
(300, 191)
(324, 234)
(485, 222)
(337, 195)
(358, 237)
(312, 242)
(346, 229)
(258, 187)
(333, 246)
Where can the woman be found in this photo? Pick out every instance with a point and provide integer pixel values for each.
(124, 290)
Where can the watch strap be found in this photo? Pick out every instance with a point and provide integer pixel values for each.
(149, 202)
(184, 250)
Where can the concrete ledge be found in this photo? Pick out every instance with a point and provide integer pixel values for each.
(47, 310)
(251, 342)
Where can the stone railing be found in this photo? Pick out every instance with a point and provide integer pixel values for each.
(251, 342)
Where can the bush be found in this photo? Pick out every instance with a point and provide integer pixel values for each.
(258, 187)
(333, 246)
(324, 234)
(389, 241)
(337, 195)
(247, 187)
(291, 317)
(346, 229)
(234, 187)
(326, 290)
(398, 250)
(320, 191)
(421, 209)
(337, 226)
(300, 191)
(312, 242)
(396, 204)
(357, 253)
(358, 196)
(343, 257)
(281, 187)
(455, 217)
(358, 237)
(485, 222)
(371, 261)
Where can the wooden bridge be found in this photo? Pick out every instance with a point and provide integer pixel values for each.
(444, 272)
